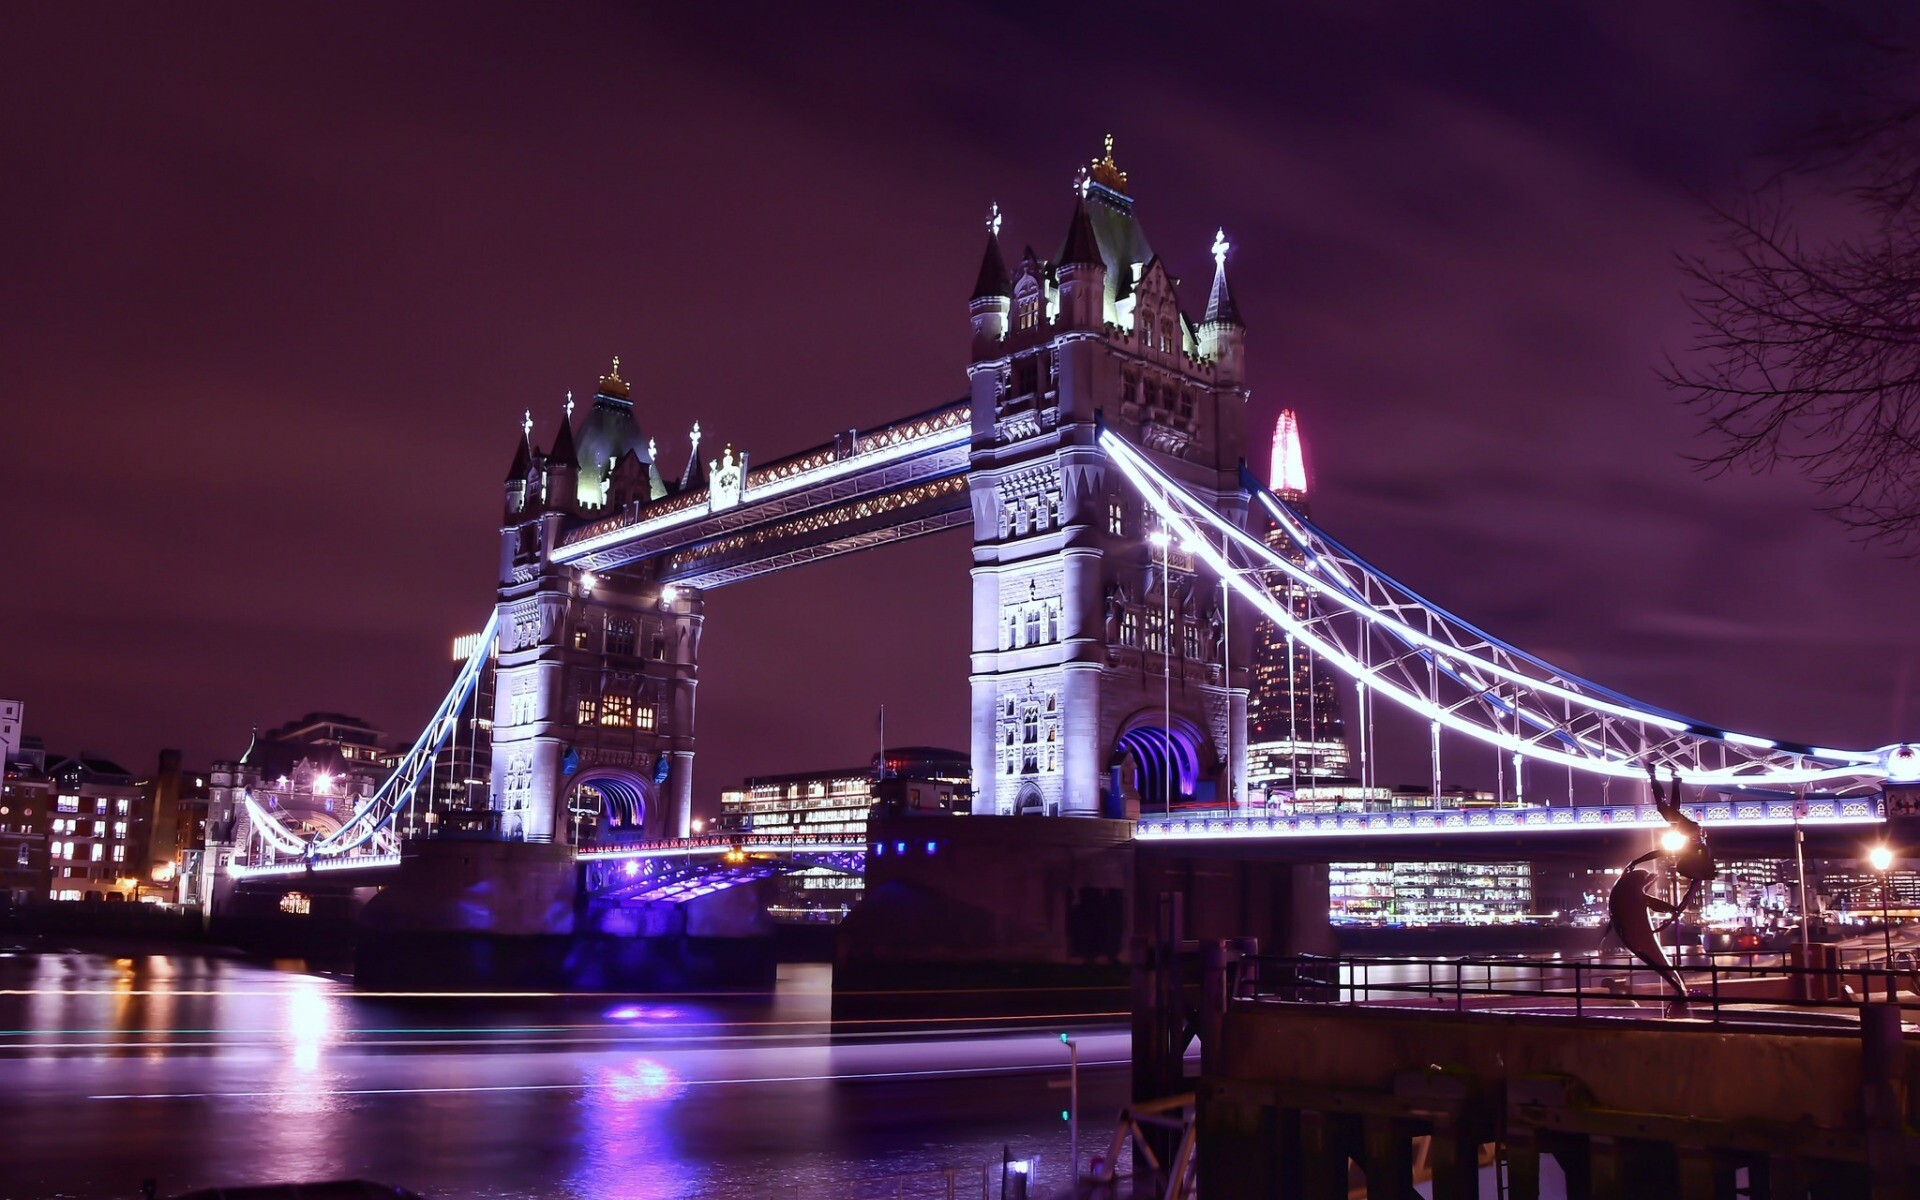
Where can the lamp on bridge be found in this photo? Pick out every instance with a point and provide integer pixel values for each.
(1881, 860)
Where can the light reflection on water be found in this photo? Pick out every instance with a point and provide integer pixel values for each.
(206, 1071)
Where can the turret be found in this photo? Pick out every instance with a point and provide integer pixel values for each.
(516, 483)
(563, 464)
(1081, 273)
(992, 294)
(1222, 336)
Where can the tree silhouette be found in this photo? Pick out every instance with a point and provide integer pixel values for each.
(1807, 346)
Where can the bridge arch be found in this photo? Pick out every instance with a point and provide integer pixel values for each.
(616, 800)
(1159, 752)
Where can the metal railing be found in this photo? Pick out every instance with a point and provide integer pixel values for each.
(1577, 987)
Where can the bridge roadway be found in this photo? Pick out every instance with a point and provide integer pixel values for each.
(1587, 834)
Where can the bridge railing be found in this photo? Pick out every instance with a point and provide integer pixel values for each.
(1253, 822)
(721, 843)
(1722, 987)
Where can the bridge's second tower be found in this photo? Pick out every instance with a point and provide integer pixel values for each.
(594, 699)
(1099, 667)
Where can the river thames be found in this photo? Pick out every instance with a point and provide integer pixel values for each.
(204, 1071)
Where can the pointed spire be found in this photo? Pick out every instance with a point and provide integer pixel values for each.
(993, 281)
(522, 461)
(1082, 247)
(1288, 471)
(563, 453)
(1220, 305)
(695, 475)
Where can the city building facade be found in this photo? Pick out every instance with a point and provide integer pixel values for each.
(836, 804)
(98, 830)
(26, 802)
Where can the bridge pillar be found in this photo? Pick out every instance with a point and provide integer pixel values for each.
(1085, 629)
(594, 695)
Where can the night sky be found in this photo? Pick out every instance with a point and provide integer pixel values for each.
(277, 281)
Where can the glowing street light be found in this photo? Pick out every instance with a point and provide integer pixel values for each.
(1881, 859)
(1673, 841)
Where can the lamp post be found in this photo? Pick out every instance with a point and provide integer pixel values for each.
(1673, 842)
(1881, 859)
(1161, 538)
(1073, 1108)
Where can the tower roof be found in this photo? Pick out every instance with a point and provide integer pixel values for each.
(609, 432)
(522, 461)
(1288, 472)
(1220, 305)
(563, 453)
(1102, 189)
(1082, 245)
(993, 280)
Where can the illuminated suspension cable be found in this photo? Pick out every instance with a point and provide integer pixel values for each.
(399, 787)
(1173, 504)
(277, 835)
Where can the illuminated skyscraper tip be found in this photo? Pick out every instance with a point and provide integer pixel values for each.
(1289, 472)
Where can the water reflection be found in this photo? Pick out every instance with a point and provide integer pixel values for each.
(623, 1147)
(211, 1072)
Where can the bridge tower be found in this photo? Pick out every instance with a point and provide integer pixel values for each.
(1099, 674)
(594, 699)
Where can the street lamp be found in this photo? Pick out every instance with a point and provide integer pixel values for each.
(1672, 842)
(1881, 859)
(1073, 1108)
(1161, 538)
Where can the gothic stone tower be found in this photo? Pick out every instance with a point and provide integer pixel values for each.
(1097, 669)
(594, 699)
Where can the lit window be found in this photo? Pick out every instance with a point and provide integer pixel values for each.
(99, 829)
(616, 711)
(579, 637)
(68, 804)
(119, 829)
(119, 854)
(99, 851)
(120, 808)
(643, 717)
(589, 710)
(100, 806)
(620, 638)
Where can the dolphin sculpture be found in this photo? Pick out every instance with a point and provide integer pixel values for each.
(1630, 908)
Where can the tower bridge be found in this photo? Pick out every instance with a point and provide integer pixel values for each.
(1118, 573)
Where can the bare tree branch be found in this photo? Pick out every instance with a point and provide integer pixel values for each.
(1806, 352)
